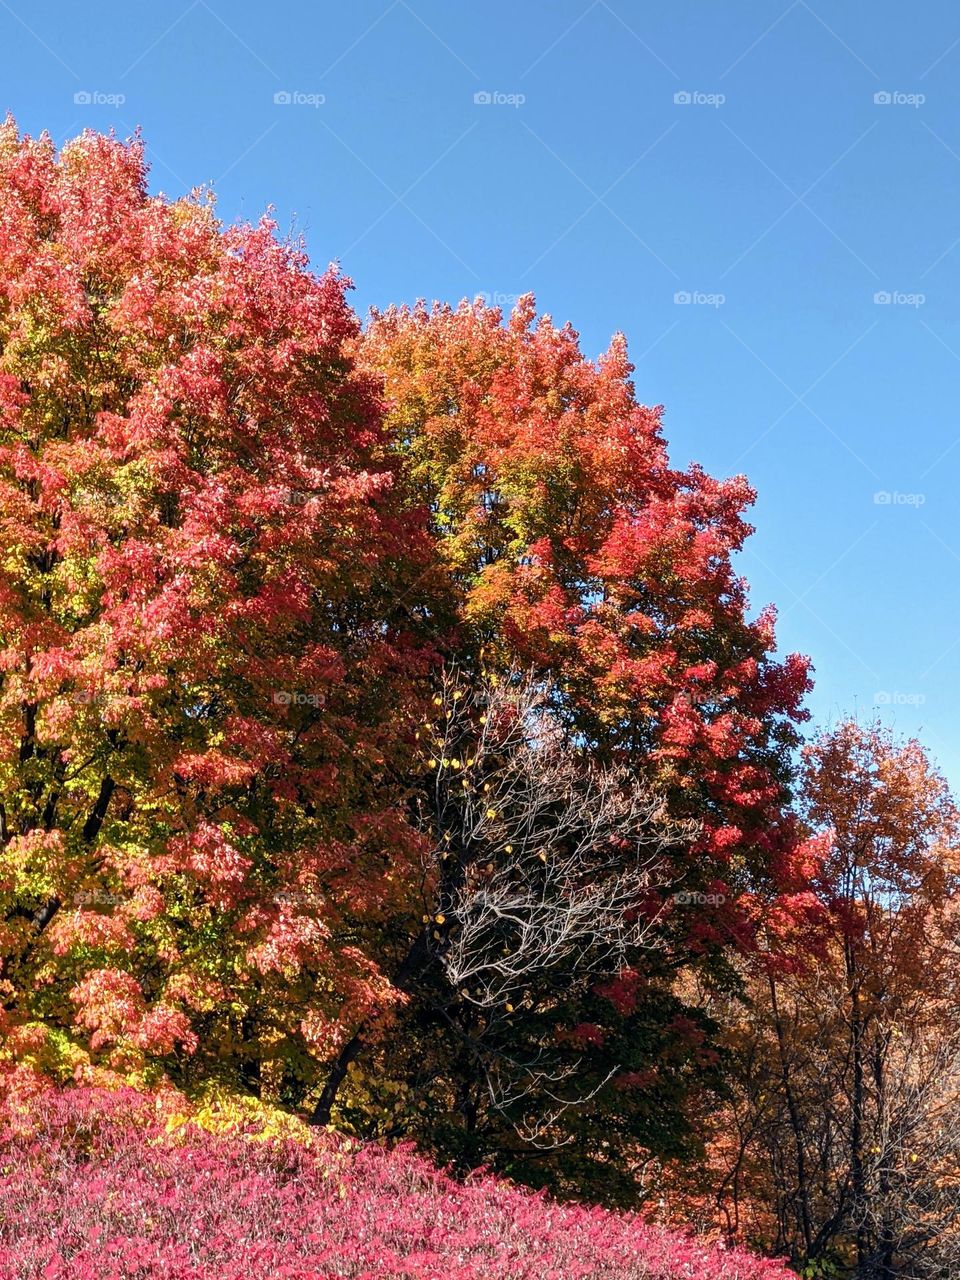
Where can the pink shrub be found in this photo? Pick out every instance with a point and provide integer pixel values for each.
(98, 1190)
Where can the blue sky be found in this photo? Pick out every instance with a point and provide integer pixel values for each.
(791, 169)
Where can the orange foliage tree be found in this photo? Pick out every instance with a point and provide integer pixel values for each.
(837, 1145)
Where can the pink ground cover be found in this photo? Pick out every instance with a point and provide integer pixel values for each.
(97, 1189)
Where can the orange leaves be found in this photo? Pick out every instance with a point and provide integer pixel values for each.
(571, 545)
(895, 827)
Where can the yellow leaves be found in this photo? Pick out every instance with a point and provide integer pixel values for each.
(439, 918)
(491, 813)
(221, 1111)
(509, 848)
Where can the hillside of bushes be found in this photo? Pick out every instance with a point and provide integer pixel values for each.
(106, 1186)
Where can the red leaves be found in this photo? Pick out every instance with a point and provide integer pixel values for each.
(203, 547)
(574, 545)
(230, 574)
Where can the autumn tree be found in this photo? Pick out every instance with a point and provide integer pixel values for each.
(205, 673)
(848, 1056)
(243, 543)
(575, 549)
(575, 553)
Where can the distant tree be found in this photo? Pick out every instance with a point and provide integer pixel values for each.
(849, 1053)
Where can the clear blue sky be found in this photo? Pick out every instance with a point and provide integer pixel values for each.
(782, 186)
